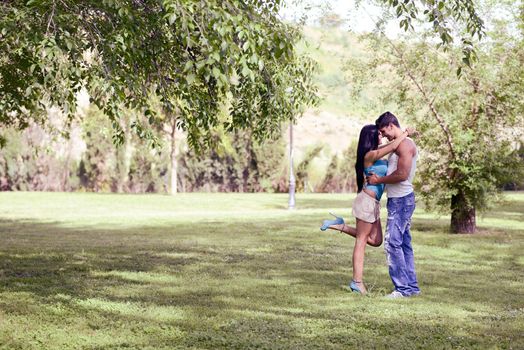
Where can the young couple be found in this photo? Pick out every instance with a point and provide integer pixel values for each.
(397, 172)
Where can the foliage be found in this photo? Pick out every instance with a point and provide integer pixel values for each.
(442, 16)
(238, 164)
(148, 170)
(36, 160)
(98, 162)
(132, 167)
(479, 156)
(517, 183)
(31, 160)
(271, 165)
(196, 56)
(347, 168)
(340, 175)
(331, 19)
(469, 125)
(302, 168)
(330, 182)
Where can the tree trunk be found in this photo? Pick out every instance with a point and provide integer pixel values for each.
(292, 179)
(66, 174)
(120, 168)
(463, 217)
(173, 159)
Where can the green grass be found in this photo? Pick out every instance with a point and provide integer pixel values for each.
(239, 271)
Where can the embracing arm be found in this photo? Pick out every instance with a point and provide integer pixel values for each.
(406, 152)
(383, 150)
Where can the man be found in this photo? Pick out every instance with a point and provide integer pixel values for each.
(401, 205)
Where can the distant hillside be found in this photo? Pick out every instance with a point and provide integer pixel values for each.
(336, 122)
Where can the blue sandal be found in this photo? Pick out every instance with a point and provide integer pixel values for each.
(326, 223)
(354, 287)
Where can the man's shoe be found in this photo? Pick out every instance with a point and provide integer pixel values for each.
(326, 223)
(395, 295)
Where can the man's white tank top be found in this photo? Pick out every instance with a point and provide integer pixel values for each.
(405, 187)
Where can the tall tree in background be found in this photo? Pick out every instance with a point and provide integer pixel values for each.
(194, 55)
(469, 125)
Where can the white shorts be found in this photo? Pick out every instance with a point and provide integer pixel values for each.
(366, 208)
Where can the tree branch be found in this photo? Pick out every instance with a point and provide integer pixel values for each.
(51, 18)
(429, 101)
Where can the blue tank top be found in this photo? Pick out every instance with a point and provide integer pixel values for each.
(379, 168)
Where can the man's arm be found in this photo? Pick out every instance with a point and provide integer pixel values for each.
(405, 152)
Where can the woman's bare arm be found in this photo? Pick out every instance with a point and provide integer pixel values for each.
(373, 156)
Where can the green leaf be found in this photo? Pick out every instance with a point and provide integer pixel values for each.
(190, 78)
(260, 64)
(200, 64)
(245, 71)
(466, 60)
(169, 53)
(216, 72)
(188, 66)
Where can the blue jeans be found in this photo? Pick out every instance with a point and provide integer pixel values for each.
(397, 245)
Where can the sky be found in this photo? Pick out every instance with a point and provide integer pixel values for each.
(359, 18)
(361, 15)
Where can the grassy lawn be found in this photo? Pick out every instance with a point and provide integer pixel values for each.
(239, 271)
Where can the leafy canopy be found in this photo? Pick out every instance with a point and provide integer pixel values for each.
(442, 15)
(196, 56)
(470, 127)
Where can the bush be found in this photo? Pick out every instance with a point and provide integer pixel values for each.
(237, 164)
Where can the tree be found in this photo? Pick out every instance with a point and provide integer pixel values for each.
(96, 170)
(302, 172)
(340, 174)
(238, 164)
(196, 56)
(443, 16)
(468, 126)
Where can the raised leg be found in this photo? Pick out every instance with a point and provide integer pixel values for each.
(344, 229)
(375, 237)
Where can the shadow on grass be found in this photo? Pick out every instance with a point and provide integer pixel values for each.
(224, 285)
(316, 203)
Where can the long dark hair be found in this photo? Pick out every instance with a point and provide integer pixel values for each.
(367, 141)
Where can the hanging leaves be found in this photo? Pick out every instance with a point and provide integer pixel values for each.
(440, 13)
(195, 55)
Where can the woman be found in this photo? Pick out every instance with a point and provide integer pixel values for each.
(366, 207)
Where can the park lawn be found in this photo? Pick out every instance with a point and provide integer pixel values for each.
(240, 271)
